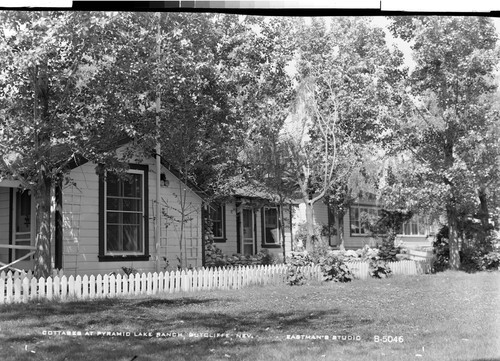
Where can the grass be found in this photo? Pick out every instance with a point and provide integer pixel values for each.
(448, 316)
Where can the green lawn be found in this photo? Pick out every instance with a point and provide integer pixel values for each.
(448, 316)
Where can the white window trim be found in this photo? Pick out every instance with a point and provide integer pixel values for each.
(277, 241)
(359, 207)
(143, 235)
(418, 220)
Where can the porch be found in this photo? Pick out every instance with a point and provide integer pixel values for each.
(17, 227)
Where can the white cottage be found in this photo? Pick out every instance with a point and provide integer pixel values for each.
(252, 221)
(105, 223)
(417, 232)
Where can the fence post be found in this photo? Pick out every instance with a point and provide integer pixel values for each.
(98, 282)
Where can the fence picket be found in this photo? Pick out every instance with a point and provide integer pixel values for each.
(17, 289)
(2, 289)
(98, 282)
(21, 287)
(48, 284)
(78, 287)
(131, 283)
(41, 288)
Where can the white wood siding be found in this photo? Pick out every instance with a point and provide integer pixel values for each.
(230, 247)
(81, 224)
(4, 222)
(352, 241)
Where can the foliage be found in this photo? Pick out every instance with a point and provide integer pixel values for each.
(473, 257)
(302, 233)
(68, 82)
(214, 257)
(444, 140)
(386, 225)
(441, 250)
(344, 75)
(334, 268)
(295, 276)
(379, 268)
(491, 261)
(470, 259)
(129, 271)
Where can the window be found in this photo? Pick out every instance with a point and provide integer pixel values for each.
(217, 216)
(270, 227)
(358, 215)
(123, 226)
(22, 222)
(417, 226)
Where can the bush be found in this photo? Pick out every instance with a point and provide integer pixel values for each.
(441, 249)
(387, 250)
(334, 269)
(491, 261)
(470, 259)
(379, 268)
(295, 276)
(214, 257)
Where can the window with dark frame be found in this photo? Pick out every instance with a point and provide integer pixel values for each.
(416, 226)
(124, 215)
(216, 214)
(270, 226)
(355, 213)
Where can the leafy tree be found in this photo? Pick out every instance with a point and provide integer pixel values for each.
(445, 132)
(66, 91)
(346, 76)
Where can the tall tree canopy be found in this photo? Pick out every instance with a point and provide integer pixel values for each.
(447, 131)
(346, 77)
(67, 82)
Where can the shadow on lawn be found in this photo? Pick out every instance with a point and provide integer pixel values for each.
(39, 310)
(147, 349)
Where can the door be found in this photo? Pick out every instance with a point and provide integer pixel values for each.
(22, 227)
(247, 232)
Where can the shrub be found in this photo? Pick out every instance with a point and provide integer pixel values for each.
(441, 249)
(295, 276)
(470, 259)
(379, 268)
(491, 261)
(214, 257)
(334, 269)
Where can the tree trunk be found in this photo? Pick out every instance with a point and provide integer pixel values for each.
(340, 222)
(43, 263)
(452, 238)
(310, 225)
(42, 190)
(483, 213)
(282, 228)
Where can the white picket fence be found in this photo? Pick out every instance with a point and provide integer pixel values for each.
(16, 288)
(360, 269)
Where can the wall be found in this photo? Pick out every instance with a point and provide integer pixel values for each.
(81, 224)
(230, 246)
(353, 241)
(4, 222)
